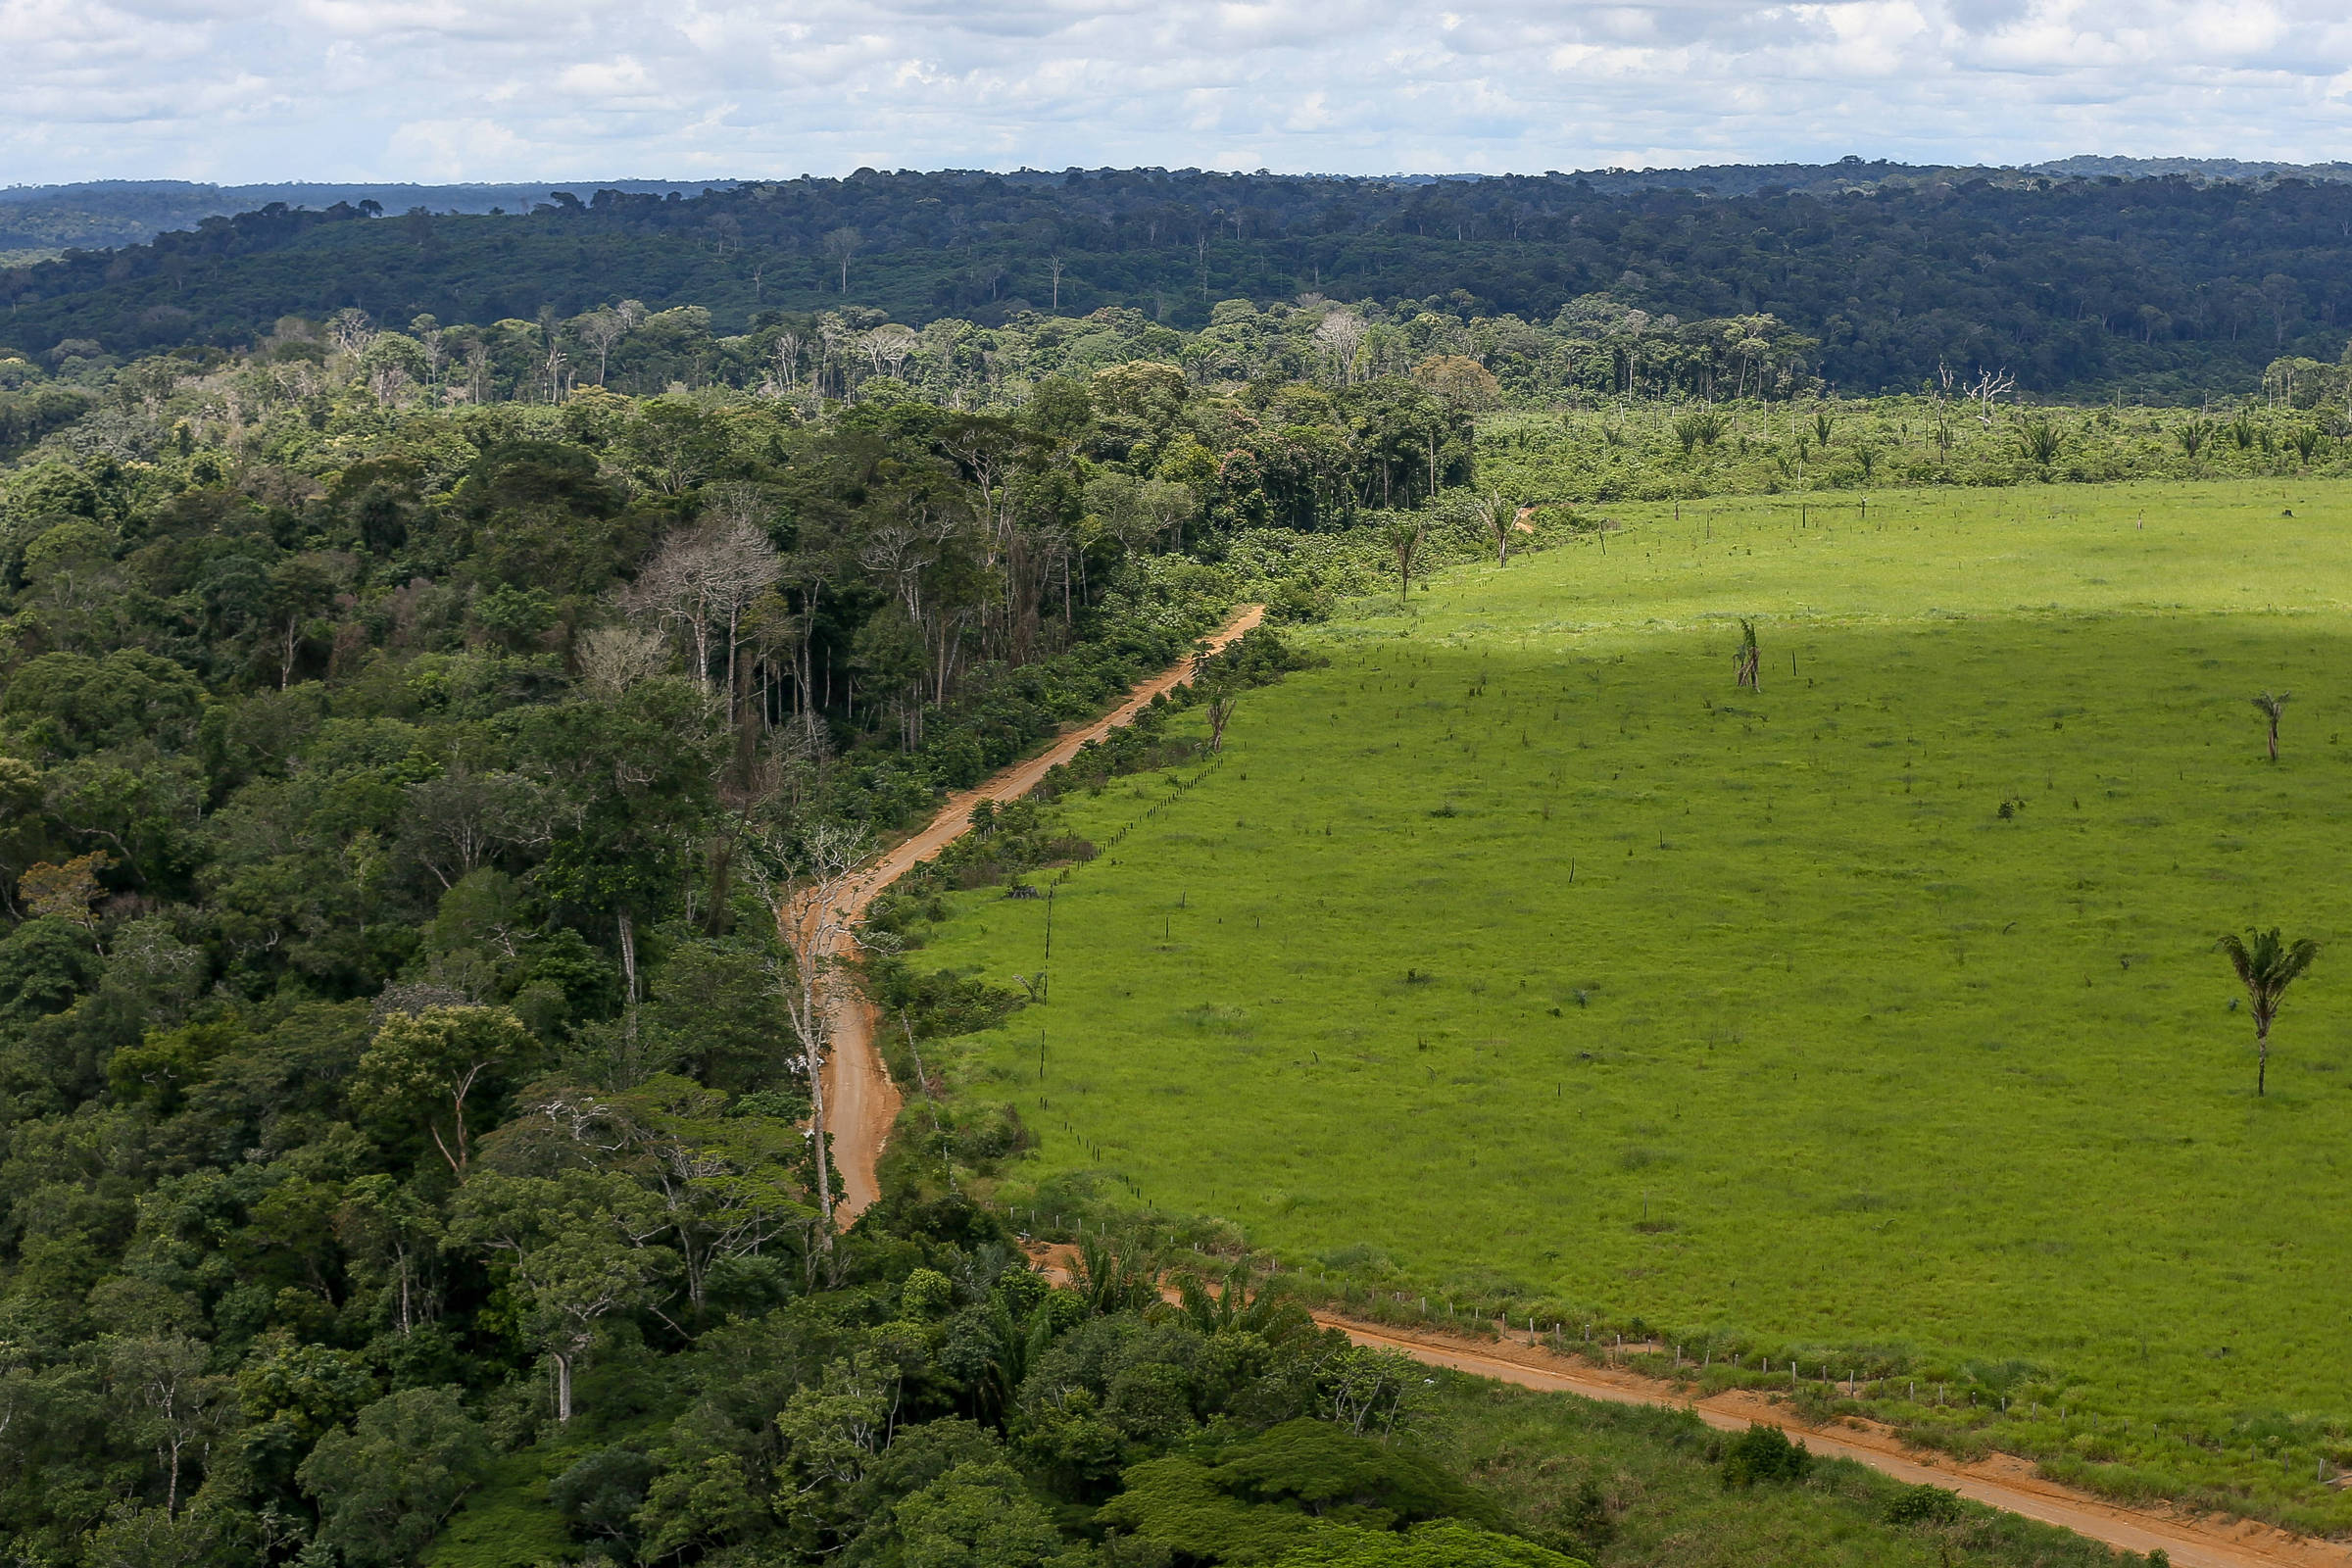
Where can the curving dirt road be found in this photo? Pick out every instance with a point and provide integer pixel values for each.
(860, 1100)
(2003, 1480)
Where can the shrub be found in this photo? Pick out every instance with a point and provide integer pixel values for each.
(1764, 1454)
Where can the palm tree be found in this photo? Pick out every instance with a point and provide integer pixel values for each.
(1496, 518)
(1403, 536)
(2041, 443)
(2270, 708)
(2266, 966)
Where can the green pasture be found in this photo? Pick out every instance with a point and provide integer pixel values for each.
(1519, 954)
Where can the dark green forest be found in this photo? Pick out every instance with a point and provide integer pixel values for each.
(2082, 285)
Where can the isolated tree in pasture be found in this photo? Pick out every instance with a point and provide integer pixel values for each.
(2266, 966)
(1405, 536)
(1748, 662)
(1222, 704)
(2270, 707)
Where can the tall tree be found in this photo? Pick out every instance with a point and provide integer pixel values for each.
(580, 1244)
(2272, 706)
(1403, 535)
(439, 1069)
(2266, 966)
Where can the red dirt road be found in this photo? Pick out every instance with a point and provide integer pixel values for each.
(2003, 1480)
(860, 1100)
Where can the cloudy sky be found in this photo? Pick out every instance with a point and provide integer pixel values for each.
(247, 90)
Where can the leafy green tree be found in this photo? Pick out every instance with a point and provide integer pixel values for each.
(385, 1486)
(2266, 966)
(601, 1493)
(291, 1395)
(168, 1402)
(442, 1072)
(394, 1236)
(68, 703)
(44, 963)
(581, 1247)
(977, 1515)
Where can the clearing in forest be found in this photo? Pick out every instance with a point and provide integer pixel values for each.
(1871, 1015)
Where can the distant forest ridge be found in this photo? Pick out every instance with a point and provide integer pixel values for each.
(2160, 279)
(106, 213)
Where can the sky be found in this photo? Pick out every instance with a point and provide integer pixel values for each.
(445, 90)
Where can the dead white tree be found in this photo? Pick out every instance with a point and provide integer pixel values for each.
(1340, 333)
(889, 346)
(350, 330)
(613, 659)
(701, 581)
(810, 881)
(1991, 384)
(787, 354)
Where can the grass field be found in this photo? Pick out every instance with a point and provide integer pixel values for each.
(1519, 954)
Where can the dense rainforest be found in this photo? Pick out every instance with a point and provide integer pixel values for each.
(2084, 284)
(406, 1145)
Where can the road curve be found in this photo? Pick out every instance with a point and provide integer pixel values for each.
(861, 1101)
(2003, 1480)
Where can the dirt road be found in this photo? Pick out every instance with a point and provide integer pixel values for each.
(860, 1100)
(2003, 1480)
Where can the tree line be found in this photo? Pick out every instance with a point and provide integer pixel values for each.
(2082, 285)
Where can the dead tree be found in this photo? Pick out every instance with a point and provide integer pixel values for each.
(810, 881)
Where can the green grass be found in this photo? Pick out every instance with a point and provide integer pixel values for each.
(1518, 953)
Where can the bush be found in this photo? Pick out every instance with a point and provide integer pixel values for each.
(1764, 1454)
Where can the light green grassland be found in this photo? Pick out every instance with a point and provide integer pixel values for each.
(1518, 951)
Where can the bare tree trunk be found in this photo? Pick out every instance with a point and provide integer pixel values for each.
(562, 1388)
(628, 970)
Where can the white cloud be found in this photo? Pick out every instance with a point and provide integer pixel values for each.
(435, 89)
